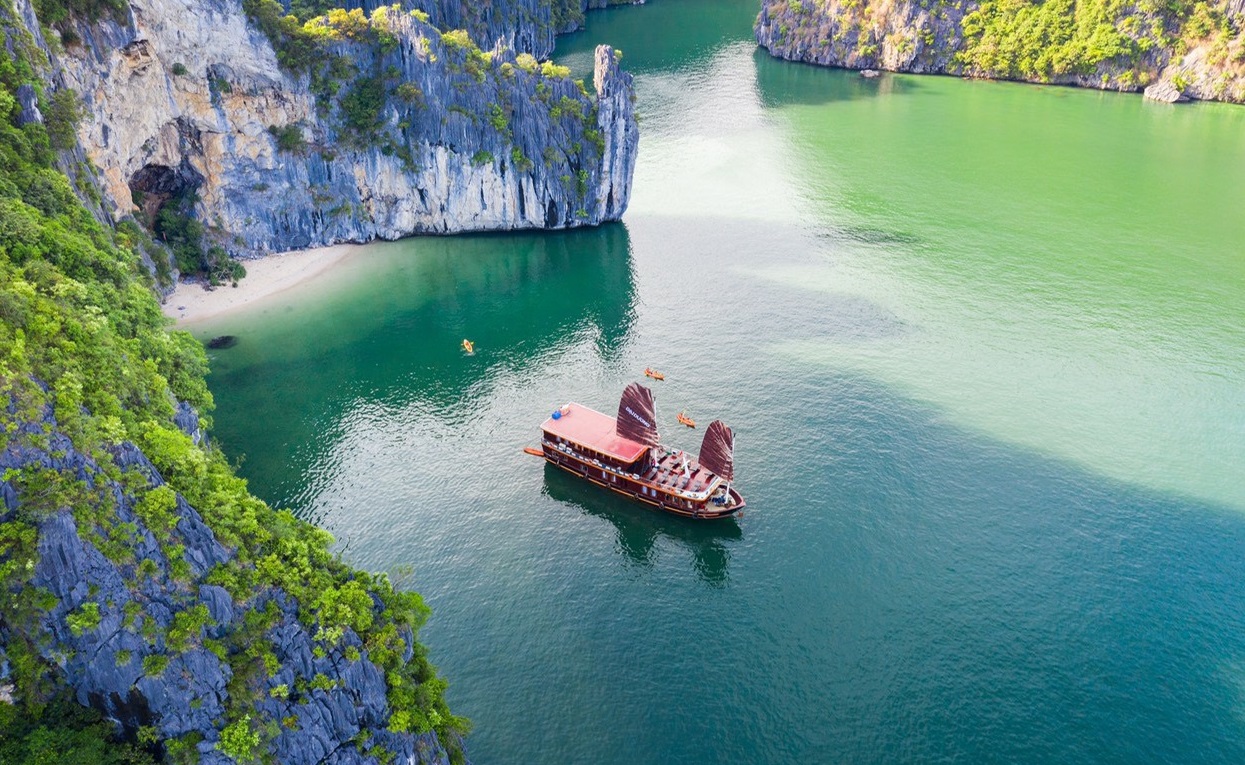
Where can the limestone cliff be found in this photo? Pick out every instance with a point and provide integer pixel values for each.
(125, 600)
(1185, 49)
(141, 584)
(397, 129)
(527, 26)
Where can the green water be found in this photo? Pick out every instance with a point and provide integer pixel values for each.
(983, 346)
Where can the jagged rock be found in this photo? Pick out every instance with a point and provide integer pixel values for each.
(187, 419)
(441, 161)
(616, 120)
(869, 74)
(28, 100)
(1166, 92)
(905, 35)
(219, 605)
(526, 26)
(106, 665)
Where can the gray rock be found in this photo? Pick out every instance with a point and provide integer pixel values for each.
(1165, 92)
(187, 419)
(220, 606)
(28, 100)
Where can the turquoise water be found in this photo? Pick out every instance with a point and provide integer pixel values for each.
(983, 347)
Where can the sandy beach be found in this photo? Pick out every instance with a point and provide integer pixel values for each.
(265, 277)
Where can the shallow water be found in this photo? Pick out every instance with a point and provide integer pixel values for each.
(983, 346)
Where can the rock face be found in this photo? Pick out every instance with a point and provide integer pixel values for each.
(187, 95)
(966, 37)
(1165, 92)
(129, 660)
(29, 103)
(898, 36)
(526, 26)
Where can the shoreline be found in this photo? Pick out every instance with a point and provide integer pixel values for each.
(190, 303)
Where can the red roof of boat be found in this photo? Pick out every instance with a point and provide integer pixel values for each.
(593, 430)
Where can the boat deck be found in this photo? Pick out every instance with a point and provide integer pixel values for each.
(668, 474)
(585, 442)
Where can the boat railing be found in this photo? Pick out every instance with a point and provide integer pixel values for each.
(669, 483)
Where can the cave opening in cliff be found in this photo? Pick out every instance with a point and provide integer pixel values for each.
(166, 198)
(153, 186)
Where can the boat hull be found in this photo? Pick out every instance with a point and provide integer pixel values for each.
(642, 491)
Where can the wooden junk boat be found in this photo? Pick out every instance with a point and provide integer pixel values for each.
(625, 454)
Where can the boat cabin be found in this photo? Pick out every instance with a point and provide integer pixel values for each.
(592, 445)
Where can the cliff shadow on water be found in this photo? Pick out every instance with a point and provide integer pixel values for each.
(704, 26)
(788, 83)
(519, 297)
(641, 529)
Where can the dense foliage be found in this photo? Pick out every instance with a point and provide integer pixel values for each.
(64, 734)
(80, 331)
(184, 235)
(1041, 40)
(53, 12)
(1121, 44)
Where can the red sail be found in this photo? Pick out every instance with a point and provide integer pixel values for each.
(637, 415)
(717, 451)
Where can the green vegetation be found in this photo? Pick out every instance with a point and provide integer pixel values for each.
(52, 12)
(289, 138)
(78, 316)
(1015, 38)
(83, 620)
(238, 740)
(63, 113)
(361, 108)
(1111, 43)
(155, 664)
(410, 93)
(296, 49)
(567, 14)
(521, 161)
(301, 37)
(187, 626)
(1040, 41)
(185, 236)
(179, 69)
(63, 734)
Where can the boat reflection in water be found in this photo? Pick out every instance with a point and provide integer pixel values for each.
(639, 529)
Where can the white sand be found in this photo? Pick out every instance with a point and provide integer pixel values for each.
(264, 278)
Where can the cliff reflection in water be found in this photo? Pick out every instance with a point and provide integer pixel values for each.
(639, 527)
(389, 339)
(781, 84)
